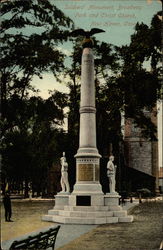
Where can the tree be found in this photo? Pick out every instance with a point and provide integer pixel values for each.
(31, 34)
(34, 142)
(140, 74)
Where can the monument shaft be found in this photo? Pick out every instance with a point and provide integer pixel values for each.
(87, 105)
(87, 157)
(87, 204)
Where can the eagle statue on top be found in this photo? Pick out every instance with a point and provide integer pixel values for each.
(87, 42)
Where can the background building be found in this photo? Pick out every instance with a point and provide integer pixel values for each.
(141, 157)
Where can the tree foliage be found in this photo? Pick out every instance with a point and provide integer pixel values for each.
(141, 73)
(31, 145)
(31, 34)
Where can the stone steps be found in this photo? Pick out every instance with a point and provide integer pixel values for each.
(78, 215)
(82, 214)
(86, 208)
(88, 211)
(118, 214)
(93, 208)
(56, 207)
(102, 211)
(53, 212)
(128, 218)
(86, 220)
(80, 220)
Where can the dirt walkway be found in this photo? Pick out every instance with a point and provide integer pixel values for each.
(146, 232)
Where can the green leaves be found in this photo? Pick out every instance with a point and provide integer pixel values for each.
(32, 139)
(31, 32)
(140, 76)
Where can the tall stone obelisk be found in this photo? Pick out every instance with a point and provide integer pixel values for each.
(87, 204)
(87, 157)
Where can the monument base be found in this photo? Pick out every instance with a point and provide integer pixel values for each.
(87, 209)
(86, 199)
(85, 188)
(111, 199)
(61, 200)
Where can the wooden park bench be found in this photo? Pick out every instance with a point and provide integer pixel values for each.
(42, 240)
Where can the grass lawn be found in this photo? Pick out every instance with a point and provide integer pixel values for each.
(26, 216)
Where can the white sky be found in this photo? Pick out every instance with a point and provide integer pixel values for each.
(49, 83)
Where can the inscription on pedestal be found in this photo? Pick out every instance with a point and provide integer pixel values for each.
(85, 172)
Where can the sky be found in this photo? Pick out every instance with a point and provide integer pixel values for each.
(116, 17)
